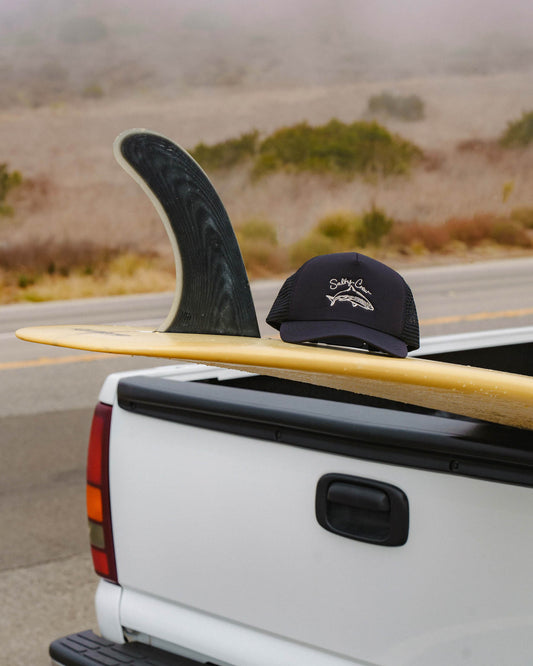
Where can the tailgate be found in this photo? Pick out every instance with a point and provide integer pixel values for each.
(223, 507)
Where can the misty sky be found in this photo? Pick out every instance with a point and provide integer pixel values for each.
(206, 42)
(400, 18)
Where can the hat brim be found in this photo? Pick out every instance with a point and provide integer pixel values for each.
(343, 333)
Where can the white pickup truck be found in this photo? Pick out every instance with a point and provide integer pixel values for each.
(241, 520)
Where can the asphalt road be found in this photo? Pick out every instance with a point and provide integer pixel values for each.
(46, 400)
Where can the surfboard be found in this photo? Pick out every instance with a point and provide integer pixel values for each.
(490, 395)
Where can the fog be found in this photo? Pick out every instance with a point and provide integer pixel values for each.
(57, 48)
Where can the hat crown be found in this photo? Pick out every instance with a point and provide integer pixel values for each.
(347, 296)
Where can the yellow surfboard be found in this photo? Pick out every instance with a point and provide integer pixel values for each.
(499, 397)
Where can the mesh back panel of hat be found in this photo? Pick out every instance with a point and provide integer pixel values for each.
(410, 331)
(279, 311)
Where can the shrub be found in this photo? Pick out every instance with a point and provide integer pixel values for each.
(226, 153)
(258, 242)
(374, 226)
(310, 246)
(523, 216)
(519, 133)
(404, 107)
(490, 149)
(8, 180)
(257, 229)
(459, 233)
(24, 281)
(262, 258)
(342, 231)
(48, 256)
(347, 230)
(359, 147)
(507, 190)
(416, 236)
(125, 264)
(342, 228)
(470, 231)
(509, 232)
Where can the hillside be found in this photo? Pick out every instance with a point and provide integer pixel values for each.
(71, 81)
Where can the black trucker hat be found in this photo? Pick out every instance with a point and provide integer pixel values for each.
(350, 300)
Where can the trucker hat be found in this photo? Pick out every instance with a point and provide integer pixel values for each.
(347, 299)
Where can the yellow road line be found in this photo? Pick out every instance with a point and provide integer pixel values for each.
(478, 316)
(60, 360)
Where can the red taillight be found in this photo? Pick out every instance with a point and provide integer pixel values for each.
(98, 504)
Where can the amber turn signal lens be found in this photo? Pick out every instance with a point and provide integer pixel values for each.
(95, 509)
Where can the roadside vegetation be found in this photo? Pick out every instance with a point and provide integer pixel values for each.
(337, 148)
(347, 149)
(374, 232)
(226, 154)
(51, 270)
(393, 105)
(335, 156)
(519, 133)
(60, 270)
(8, 181)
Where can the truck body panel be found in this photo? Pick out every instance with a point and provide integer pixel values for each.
(253, 522)
(255, 554)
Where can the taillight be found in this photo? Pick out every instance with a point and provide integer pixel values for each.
(98, 504)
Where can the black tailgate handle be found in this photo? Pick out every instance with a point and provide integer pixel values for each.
(362, 509)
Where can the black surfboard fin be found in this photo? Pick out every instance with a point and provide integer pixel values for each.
(212, 293)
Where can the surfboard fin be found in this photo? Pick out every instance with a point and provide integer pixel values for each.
(212, 293)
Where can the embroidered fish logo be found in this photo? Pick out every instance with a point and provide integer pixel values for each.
(353, 294)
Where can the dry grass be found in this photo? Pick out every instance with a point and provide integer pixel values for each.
(53, 287)
(457, 234)
(49, 270)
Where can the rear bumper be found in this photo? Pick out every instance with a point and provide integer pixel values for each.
(87, 649)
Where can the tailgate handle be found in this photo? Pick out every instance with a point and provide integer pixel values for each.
(358, 497)
(362, 509)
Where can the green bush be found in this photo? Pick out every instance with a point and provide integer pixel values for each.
(359, 147)
(7, 182)
(226, 153)
(310, 246)
(509, 232)
(257, 229)
(519, 133)
(342, 228)
(403, 107)
(375, 225)
(347, 230)
(523, 216)
(342, 231)
(261, 253)
(25, 281)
